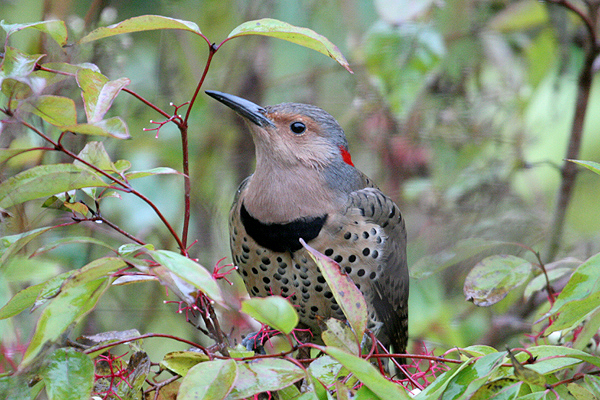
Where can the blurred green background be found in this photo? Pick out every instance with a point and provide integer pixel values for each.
(459, 110)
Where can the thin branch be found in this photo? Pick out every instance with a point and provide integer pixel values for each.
(125, 185)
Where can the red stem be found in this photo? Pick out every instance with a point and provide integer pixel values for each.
(183, 127)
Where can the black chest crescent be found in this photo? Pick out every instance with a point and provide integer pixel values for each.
(282, 237)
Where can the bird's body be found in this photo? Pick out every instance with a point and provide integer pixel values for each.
(305, 186)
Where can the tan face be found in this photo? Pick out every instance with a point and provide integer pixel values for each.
(293, 141)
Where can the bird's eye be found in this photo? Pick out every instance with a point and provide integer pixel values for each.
(297, 127)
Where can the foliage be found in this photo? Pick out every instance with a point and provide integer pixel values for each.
(62, 120)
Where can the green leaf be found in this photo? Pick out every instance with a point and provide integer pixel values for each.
(282, 30)
(96, 154)
(555, 358)
(180, 362)
(14, 388)
(51, 288)
(368, 375)
(591, 165)
(68, 308)
(580, 296)
(508, 388)
(70, 240)
(98, 93)
(140, 24)
(68, 375)
(189, 271)
(473, 376)
(345, 292)
(264, 375)
(151, 172)
(46, 180)
(520, 16)
(525, 374)
(492, 278)
(11, 245)
(274, 311)
(339, 334)
(211, 380)
(16, 64)
(325, 369)
(16, 90)
(57, 30)
(463, 250)
(21, 301)
(113, 127)
(55, 110)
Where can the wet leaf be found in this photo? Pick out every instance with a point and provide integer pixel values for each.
(492, 278)
(282, 30)
(274, 311)
(264, 375)
(211, 380)
(68, 375)
(140, 24)
(345, 292)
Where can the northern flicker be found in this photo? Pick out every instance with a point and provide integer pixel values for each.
(306, 186)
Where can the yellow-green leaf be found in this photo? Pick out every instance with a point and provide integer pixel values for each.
(140, 24)
(282, 30)
(274, 311)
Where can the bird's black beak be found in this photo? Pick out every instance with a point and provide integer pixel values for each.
(245, 108)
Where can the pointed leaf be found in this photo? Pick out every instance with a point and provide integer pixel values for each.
(55, 110)
(211, 380)
(140, 24)
(46, 180)
(57, 30)
(68, 375)
(70, 240)
(344, 290)
(282, 30)
(98, 93)
(10, 245)
(492, 278)
(263, 375)
(274, 311)
(69, 307)
(21, 301)
(151, 172)
(189, 271)
(368, 375)
(591, 165)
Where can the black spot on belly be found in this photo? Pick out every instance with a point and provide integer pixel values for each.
(282, 237)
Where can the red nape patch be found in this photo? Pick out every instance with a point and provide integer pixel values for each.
(346, 156)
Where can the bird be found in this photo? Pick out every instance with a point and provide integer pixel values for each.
(305, 186)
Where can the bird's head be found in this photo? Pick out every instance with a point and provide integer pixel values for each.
(292, 134)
